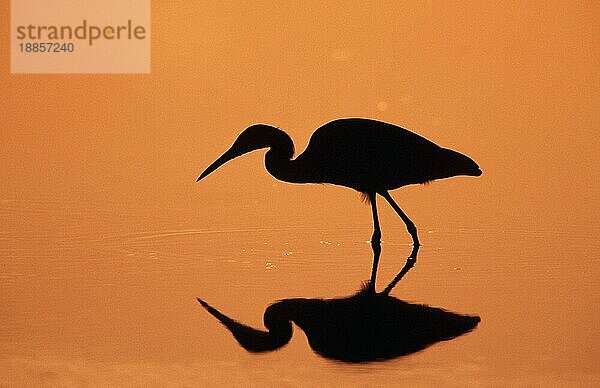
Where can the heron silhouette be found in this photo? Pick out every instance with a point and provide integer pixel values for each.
(370, 156)
(359, 328)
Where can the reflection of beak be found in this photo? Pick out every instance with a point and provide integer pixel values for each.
(251, 339)
(227, 156)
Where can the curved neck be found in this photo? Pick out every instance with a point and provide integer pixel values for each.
(278, 160)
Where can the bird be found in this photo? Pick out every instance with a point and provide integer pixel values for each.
(360, 328)
(370, 156)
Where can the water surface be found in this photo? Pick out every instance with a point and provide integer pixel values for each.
(96, 295)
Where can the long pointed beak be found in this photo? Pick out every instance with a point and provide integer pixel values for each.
(227, 156)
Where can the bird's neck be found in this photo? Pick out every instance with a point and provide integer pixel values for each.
(278, 320)
(278, 159)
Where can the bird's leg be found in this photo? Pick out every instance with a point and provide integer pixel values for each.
(412, 229)
(375, 241)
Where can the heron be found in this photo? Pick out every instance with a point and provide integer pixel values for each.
(369, 156)
(358, 328)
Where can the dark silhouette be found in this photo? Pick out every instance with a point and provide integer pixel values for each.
(359, 328)
(370, 156)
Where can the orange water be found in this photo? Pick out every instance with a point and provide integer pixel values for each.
(106, 239)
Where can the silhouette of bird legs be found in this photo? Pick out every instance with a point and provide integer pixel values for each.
(376, 241)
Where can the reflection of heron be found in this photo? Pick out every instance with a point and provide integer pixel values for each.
(363, 327)
(366, 155)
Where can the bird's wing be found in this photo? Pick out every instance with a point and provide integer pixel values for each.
(367, 154)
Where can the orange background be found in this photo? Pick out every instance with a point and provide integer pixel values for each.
(514, 85)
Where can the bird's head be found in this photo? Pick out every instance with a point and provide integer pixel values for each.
(252, 138)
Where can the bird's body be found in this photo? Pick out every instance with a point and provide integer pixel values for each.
(372, 156)
(369, 156)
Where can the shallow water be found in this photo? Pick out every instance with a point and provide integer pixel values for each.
(99, 296)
